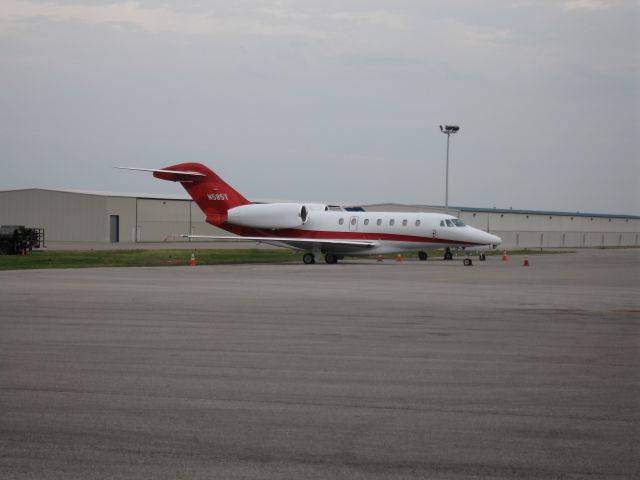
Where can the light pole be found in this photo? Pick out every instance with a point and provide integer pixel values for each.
(448, 130)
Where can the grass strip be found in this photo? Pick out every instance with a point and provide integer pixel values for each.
(141, 258)
(180, 257)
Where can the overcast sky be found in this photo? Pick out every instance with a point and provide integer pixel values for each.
(329, 100)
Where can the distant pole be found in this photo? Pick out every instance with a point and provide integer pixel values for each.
(448, 130)
(446, 178)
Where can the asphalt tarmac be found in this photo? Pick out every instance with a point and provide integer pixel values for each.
(357, 370)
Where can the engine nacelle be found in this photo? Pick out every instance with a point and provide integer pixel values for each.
(269, 215)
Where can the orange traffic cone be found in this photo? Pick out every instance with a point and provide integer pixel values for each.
(505, 257)
(379, 258)
(193, 260)
(526, 262)
(399, 258)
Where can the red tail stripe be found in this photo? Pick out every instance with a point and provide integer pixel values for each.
(330, 235)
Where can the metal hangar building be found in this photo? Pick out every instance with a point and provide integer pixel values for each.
(100, 217)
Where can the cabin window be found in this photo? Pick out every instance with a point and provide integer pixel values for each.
(449, 222)
(442, 223)
(392, 222)
(379, 222)
(404, 223)
(341, 221)
(366, 221)
(417, 223)
(353, 221)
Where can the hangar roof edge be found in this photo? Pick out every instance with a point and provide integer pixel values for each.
(507, 210)
(163, 196)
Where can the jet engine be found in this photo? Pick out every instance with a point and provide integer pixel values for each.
(269, 215)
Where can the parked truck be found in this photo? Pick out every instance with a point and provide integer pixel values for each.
(16, 239)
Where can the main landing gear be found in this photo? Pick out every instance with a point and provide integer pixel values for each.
(422, 256)
(309, 258)
(331, 258)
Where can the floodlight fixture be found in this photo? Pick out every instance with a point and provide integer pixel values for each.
(449, 129)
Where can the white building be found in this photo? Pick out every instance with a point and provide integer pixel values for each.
(77, 216)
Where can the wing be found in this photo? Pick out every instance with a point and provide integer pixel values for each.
(301, 243)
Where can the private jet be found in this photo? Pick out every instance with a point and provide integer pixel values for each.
(319, 230)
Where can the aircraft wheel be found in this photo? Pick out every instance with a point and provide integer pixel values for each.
(330, 258)
(467, 262)
(308, 259)
(448, 256)
(422, 256)
(483, 257)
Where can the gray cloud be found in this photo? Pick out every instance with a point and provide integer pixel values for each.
(329, 100)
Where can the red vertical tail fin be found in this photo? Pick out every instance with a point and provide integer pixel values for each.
(213, 195)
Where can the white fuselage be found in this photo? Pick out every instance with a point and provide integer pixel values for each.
(391, 231)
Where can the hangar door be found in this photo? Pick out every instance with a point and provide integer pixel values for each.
(114, 228)
(162, 220)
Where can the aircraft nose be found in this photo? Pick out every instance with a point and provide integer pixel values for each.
(495, 240)
(486, 239)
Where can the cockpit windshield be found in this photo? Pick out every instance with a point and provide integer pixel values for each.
(449, 222)
(457, 222)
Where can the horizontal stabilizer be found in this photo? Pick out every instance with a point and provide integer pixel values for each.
(177, 172)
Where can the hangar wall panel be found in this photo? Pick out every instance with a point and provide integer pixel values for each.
(519, 230)
(162, 220)
(65, 216)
